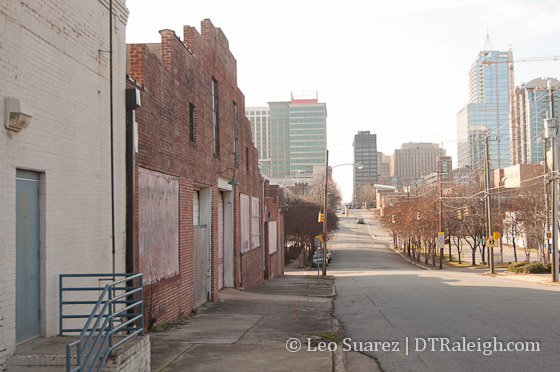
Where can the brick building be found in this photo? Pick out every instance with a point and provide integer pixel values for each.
(195, 232)
(55, 174)
(274, 230)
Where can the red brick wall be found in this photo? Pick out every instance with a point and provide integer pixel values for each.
(251, 268)
(175, 74)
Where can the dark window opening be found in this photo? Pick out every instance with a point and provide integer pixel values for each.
(192, 122)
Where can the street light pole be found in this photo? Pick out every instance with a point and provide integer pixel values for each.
(325, 205)
(325, 215)
(489, 208)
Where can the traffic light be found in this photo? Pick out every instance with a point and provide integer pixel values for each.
(460, 214)
(393, 218)
(321, 217)
(466, 211)
(417, 216)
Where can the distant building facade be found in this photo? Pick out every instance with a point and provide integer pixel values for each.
(487, 110)
(297, 136)
(365, 154)
(383, 168)
(415, 160)
(260, 129)
(531, 106)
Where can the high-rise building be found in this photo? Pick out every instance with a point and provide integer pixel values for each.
(297, 131)
(383, 168)
(415, 160)
(260, 129)
(487, 110)
(365, 154)
(531, 107)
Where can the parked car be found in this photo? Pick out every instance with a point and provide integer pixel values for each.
(318, 259)
(329, 255)
(361, 220)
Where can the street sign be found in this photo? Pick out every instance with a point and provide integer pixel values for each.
(480, 240)
(497, 235)
(491, 242)
(440, 239)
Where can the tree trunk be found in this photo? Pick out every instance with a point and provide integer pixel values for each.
(514, 249)
(474, 256)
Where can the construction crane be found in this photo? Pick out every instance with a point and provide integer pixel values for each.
(531, 59)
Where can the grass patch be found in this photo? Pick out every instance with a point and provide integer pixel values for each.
(329, 336)
(535, 267)
(167, 325)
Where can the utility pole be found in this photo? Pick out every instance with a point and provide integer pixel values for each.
(488, 206)
(551, 129)
(325, 215)
(546, 202)
(440, 219)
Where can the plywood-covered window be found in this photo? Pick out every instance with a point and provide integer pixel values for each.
(244, 223)
(196, 208)
(255, 222)
(158, 219)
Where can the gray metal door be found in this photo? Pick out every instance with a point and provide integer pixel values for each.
(200, 265)
(27, 256)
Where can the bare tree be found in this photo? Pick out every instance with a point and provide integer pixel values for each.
(367, 194)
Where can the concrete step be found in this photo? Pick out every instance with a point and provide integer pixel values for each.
(46, 363)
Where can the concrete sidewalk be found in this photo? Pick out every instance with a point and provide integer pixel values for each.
(248, 330)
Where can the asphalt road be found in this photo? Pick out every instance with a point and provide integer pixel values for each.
(392, 308)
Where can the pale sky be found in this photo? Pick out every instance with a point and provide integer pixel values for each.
(398, 69)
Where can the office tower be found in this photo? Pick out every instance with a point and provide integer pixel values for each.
(297, 136)
(365, 154)
(531, 107)
(415, 160)
(383, 168)
(260, 129)
(487, 112)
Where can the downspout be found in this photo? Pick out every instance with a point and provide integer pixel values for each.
(112, 135)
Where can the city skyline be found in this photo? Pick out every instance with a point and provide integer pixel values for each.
(423, 49)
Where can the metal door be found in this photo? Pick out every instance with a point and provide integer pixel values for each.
(27, 256)
(200, 265)
(220, 240)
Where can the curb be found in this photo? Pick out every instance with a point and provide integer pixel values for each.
(338, 354)
(414, 263)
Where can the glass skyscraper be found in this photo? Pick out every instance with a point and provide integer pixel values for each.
(297, 136)
(532, 105)
(487, 113)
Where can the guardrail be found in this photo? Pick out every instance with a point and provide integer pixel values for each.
(121, 299)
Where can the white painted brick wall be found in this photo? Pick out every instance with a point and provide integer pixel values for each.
(50, 57)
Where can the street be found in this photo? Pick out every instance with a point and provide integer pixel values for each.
(383, 298)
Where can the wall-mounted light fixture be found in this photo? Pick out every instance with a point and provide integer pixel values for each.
(18, 114)
(233, 180)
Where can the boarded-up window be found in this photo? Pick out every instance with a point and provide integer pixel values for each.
(255, 222)
(196, 208)
(244, 225)
(158, 217)
(272, 237)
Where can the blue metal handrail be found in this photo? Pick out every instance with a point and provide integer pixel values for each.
(92, 350)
